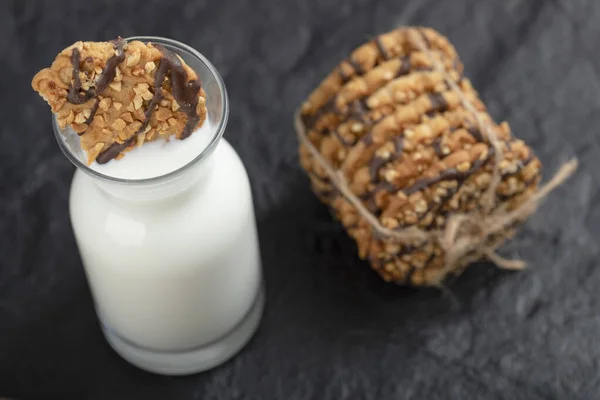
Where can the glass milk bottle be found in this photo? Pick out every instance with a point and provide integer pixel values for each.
(172, 261)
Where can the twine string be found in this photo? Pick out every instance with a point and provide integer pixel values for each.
(466, 235)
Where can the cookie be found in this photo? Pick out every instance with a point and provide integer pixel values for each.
(117, 95)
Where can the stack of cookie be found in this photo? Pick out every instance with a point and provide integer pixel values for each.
(407, 134)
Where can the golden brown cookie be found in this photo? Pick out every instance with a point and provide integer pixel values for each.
(116, 95)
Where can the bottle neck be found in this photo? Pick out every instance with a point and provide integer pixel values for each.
(158, 190)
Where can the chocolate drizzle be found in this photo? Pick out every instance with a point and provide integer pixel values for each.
(460, 181)
(108, 74)
(358, 110)
(399, 147)
(372, 206)
(376, 162)
(310, 120)
(384, 54)
(92, 113)
(404, 66)
(423, 183)
(425, 38)
(443, 203)
(342, 140)
(74, 96)
(438, 102)
(369, 202)
(356, 65)
(185, 93)
(367, 139)
(437, 143)
(445, 175)
(375, 165)
(113, 151)
(422, 68)
(475, 133)
(528, 159)
(328, 194)
(345, 78)
(437, 147)
(387, 186)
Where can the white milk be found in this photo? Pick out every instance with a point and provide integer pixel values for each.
(158, 157)
(173, 265)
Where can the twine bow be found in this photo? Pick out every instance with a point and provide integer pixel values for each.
(466, 237)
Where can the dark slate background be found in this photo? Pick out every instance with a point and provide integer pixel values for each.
(331, 330)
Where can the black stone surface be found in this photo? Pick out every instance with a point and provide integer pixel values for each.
(331, 330)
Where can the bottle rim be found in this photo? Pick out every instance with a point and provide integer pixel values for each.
(217, 129)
